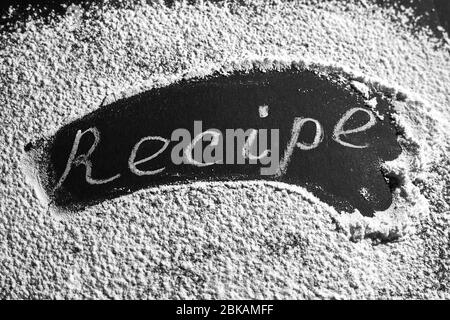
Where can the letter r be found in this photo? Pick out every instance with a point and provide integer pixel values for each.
(83, 159)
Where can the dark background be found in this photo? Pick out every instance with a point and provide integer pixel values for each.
(334, 173)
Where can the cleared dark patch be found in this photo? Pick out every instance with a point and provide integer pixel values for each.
(342, 176)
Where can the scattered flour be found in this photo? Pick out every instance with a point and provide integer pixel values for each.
(362, 88)
(234, 239)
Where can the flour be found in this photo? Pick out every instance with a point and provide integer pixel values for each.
(233, 239)
(362, 88)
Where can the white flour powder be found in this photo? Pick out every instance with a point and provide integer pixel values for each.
(223, 240)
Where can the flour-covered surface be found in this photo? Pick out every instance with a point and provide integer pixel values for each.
(224, 239)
